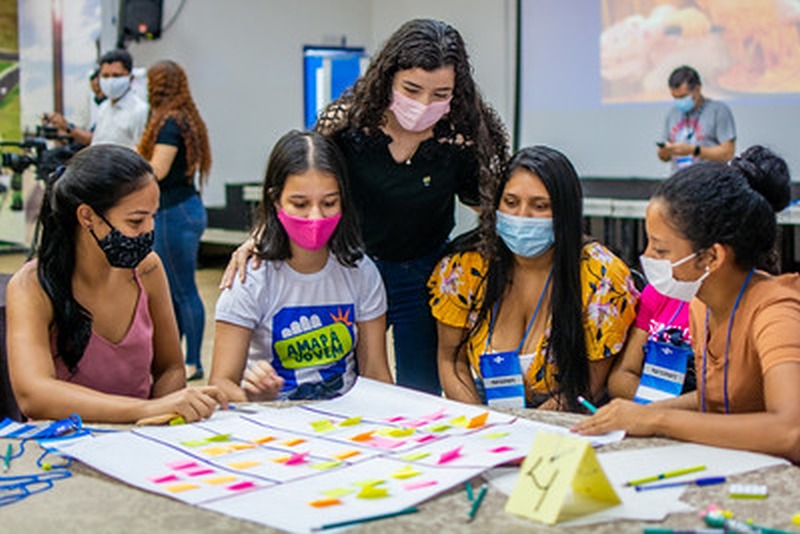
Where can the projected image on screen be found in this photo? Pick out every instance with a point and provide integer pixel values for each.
(740, 48)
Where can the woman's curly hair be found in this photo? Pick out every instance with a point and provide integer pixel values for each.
(429, 45)
(169, 97)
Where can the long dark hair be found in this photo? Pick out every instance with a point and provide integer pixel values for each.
(429, 45)
(733, 204)
(567, 336)
(99, 176)
(295, 153)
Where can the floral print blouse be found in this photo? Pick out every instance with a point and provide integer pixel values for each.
(609, 299)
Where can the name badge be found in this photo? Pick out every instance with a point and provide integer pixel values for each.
(663, 373)
(683, 161)
(502, 379)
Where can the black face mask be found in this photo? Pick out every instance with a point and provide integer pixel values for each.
(123, 251)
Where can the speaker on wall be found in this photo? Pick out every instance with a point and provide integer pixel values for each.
(139, 19)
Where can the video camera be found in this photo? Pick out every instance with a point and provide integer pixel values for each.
(35, 152)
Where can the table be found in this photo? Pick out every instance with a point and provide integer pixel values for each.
(92, 502)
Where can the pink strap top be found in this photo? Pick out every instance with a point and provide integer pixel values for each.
(122, 368)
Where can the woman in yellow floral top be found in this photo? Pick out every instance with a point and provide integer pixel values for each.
(495, 304)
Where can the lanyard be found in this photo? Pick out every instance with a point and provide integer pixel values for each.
(727, 346)
(666, 325)
(530, 324)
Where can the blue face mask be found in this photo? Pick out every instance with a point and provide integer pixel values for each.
(525, 236)
(685, 104)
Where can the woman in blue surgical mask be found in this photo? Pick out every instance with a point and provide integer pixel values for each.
(90, 324)
(531, 307)
(711, 230)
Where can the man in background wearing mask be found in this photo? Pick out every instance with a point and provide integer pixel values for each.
(122, 116)
(696, 127)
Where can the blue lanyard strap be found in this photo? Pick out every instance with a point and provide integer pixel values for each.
(666, 325)
(727, 347)
(530, 323)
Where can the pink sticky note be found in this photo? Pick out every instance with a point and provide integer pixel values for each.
(239, 486)
(426, 438)
(163, 479)
(394, 419)
(180, 465)
(419, 484)
(296, 459)
(385, 443)
(501, 448)
(449, 456)
(199, 472)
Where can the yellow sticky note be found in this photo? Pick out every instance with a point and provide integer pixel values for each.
(406, 472)
(338, 492)
(195, 443)
(495, 435)
(217, 450)
(326, 465)
(346, 454)
(216, 481)
(560, 479)
(414, 456)
(369, 482)
(478, 420)
(371, 492)
(183, 486)
(324, 425)
(244, 464)
(351, 421)
(461, 421)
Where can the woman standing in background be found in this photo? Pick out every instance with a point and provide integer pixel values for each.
(415, 133)
(175, 142)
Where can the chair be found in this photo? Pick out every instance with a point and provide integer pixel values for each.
(8, 403)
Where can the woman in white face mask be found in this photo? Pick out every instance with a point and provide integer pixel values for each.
(710, 228)
(534, 309)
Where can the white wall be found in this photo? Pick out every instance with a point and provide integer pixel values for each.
(244, 61)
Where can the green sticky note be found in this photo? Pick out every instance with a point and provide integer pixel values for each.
(406, 472)
(371, 492)
(439, 428)
(219, 438)
(326, 465)
(495, 435)
(195, 443)
(369, 482)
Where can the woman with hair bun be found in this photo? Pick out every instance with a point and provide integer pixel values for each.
(711, 228)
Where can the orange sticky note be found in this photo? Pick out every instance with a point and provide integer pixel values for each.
(244, 464)
(217, 450)
(241, 446)
(262, 440)
(364, 436)
(322, 503)
(224, 479)
(346, 454)
(282, 459)
(177, 488)
(478, 420)
(292, 442)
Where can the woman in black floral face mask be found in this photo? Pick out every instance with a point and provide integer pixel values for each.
(90, 323)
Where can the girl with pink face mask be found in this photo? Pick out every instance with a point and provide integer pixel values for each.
(416, 135)
(313, 317)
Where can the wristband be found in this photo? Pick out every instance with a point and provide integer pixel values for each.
(696, 150)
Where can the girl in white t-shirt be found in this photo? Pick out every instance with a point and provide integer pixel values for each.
(304, 324)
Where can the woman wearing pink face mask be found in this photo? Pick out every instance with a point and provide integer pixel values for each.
(314, 316)
(416, 134)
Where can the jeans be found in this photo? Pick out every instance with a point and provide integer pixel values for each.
(177, 241)
(413, 325)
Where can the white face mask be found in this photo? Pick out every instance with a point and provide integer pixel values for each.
(659, 275)
(115, 88)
